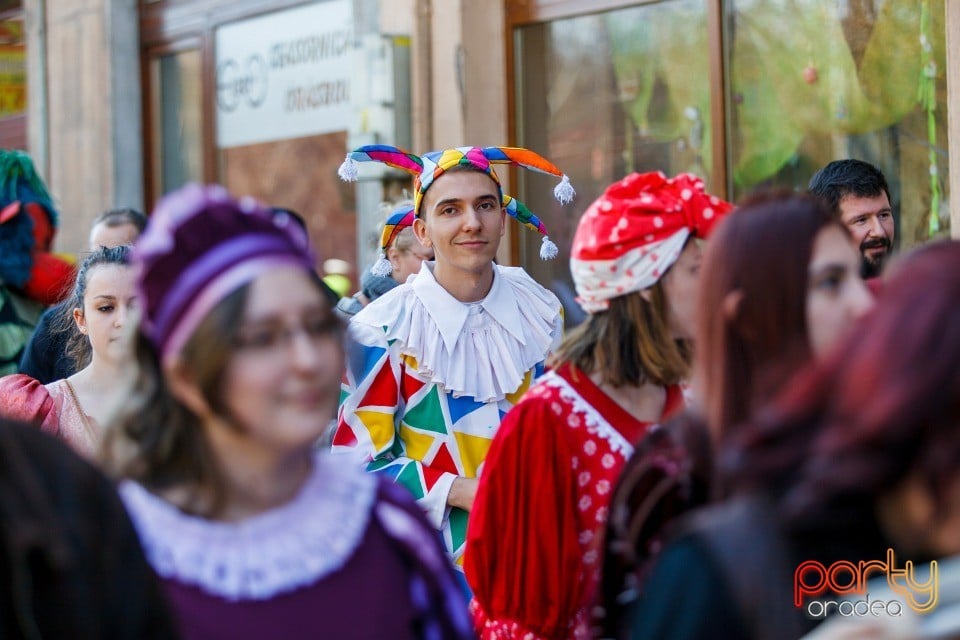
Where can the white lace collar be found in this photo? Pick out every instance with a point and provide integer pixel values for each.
(292, 546)
(482, 350)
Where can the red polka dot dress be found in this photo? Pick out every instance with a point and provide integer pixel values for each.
(534, 536)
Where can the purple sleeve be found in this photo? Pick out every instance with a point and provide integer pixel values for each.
(434, 589)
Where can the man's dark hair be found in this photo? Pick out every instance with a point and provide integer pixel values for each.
(842, 178)
(118, 217)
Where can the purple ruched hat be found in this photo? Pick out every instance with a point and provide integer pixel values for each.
(200, 246)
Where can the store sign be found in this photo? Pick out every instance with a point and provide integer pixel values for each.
(285, 75)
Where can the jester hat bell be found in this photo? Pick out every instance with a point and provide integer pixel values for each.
(428, 167)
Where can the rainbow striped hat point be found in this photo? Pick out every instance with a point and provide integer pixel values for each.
(401, 218)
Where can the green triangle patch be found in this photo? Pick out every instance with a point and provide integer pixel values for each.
(427, 415)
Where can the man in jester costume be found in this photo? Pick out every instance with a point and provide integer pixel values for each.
(30, 276)
(439, 360)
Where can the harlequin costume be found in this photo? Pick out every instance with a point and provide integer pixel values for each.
(30, 276)
(297, 570)
(431, 377)
(534, 537)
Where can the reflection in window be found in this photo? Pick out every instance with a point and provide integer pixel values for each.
(817, 80)
(177, 120)
(601, 96)
(809, 81)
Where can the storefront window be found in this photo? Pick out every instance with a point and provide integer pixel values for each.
(816, 80)
(177, 120)
(604, 95)
(807, 82)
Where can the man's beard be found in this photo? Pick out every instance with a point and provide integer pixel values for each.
(871, 266)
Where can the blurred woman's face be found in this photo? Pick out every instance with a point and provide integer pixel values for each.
(836, 295)
(282, 383)
(680, 288)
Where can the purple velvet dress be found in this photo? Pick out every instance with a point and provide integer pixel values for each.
(350, 557)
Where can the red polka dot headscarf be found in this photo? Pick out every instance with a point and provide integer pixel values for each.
(631, 235)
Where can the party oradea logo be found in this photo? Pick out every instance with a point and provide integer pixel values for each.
(827, 590)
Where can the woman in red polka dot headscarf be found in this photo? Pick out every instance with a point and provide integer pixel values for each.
(533, 540)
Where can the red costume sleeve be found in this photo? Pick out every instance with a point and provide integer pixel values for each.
(523, 556)
(25, 399)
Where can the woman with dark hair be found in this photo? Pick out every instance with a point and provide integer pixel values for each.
(93, 319)
(780, 285)
(533, 539)
(72, 566)
(855, 462)
(253, 532)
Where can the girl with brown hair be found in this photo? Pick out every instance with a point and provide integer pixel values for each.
(854, 463)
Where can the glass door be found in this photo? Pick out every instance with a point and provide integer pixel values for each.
(603, 95)
(176, 119)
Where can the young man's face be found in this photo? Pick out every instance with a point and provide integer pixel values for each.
(462, 220)
(870, 220)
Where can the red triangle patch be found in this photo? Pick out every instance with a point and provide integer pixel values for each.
(383, 390)
(343, 436)
(444, 461)
(409, 384)
(430, 476)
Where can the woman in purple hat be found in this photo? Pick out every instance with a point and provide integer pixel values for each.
(253, 533)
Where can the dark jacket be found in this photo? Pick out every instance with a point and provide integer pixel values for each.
(71, 565)
(44, 358)
(371, 288)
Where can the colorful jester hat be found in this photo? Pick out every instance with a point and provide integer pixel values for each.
(401, 218)
(432, 165)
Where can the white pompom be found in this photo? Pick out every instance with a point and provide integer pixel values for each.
(382, 267)
(348, 170)
(564, 191)
(548, 250)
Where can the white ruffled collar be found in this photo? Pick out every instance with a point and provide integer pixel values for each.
(292, 546)
(482, 350)
(450, 315)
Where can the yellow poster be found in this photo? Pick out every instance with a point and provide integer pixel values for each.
(13, 80)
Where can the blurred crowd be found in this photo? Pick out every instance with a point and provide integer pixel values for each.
(753, 433)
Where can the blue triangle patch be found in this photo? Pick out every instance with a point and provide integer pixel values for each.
(363, 360)
(461, 406)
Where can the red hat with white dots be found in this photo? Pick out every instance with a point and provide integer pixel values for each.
(631, 235)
